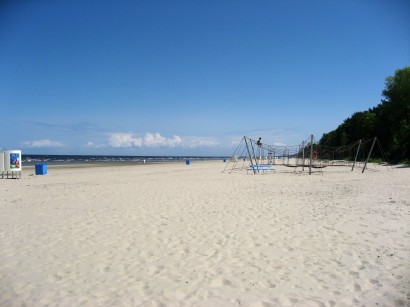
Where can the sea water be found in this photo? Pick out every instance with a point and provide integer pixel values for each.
(28, 159)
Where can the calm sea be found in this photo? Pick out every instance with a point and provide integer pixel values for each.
(28, 159)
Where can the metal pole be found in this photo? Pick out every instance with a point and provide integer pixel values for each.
(249, 154)
(253, 151)
(288, 154)
(370, 152)
(357, 153)
(311, 154)
(232, 158)
(303, 156)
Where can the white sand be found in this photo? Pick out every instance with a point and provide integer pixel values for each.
(178, 235)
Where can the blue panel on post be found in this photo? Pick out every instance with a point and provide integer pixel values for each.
(41, 169)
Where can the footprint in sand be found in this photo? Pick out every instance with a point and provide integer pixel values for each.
(219, 282)
(375, 282)
(54, 278)
(260, 304)
(155, 269)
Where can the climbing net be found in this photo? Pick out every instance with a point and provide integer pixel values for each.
(254, 155)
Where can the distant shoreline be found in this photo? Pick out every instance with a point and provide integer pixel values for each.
(31, 160)
(107, 164)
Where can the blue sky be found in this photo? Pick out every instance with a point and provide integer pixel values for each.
(190, 77)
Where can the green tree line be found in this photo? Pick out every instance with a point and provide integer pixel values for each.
(389, 121)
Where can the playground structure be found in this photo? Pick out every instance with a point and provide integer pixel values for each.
(257, 157)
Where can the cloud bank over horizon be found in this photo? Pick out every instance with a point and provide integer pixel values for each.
(123, 140)
(151, 140)
(42, 144)
(152, 143)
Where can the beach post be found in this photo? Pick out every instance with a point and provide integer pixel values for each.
(357, 153)
(311, 154)
(368, 157)
(2, 164)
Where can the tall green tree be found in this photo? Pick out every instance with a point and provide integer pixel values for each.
(395, 113)
(389, 121)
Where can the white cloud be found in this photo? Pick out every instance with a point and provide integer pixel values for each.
(124, 140)
(149, 140)
(92, 145)
(152, 140)
(157, 140)
(195, 141)
(42, 143)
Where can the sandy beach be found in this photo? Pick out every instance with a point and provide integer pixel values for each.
(190, 235)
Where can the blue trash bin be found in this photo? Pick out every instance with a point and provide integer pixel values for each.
(41, 169)
(187, 162)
